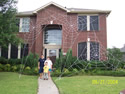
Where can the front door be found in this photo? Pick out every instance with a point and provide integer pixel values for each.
(52, 53)
(52, 39)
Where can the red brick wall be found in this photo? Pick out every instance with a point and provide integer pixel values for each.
(71, 36)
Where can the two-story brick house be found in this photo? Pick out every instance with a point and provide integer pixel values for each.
(52, 27)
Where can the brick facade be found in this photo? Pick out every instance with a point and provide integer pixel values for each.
(70, 34)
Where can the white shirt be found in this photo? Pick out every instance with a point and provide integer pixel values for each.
(49, 63)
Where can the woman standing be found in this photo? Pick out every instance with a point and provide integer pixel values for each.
(41, 65)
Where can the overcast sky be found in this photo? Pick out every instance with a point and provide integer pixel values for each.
(115, 21)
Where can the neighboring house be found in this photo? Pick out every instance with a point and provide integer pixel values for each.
(52, 27)
(123, 50)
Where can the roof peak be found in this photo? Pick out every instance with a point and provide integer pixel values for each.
(68, 10)
(51, 3)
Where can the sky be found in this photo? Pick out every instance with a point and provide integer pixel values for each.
(115, 21)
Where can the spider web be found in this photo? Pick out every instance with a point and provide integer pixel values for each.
(72, 36)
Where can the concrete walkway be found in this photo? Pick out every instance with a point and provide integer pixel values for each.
(47, 87)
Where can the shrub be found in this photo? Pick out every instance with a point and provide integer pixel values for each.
(56, 73)
(31, 60)
(74, 70)
(27, 68)
(65, 61)
(14, 68)
(3, 60)
(66, 72)
(7, 67)
(35, 70)
(1, 67)
(82, 71)
(20, 67)
(14, 61)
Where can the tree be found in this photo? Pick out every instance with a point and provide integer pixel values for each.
(115, 58)
(8, 23)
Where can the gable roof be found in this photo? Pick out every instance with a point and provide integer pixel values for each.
(68, 10)
(51, 3)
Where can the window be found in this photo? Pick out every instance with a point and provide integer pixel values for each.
(53, 36)
(24, 24)
(24, 50)
(4, 52)
(85, 51)
(14, 51)
(82, 23)
(88, 23)
(94, 51)
(82, 51)
(94, 25)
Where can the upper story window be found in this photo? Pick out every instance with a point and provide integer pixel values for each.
(24, 24)
(53, 36)
(88, 23)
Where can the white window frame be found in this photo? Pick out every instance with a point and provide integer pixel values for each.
(21, 24)
(88, 50)
(9, 51)
(88, 20)
(19, 51)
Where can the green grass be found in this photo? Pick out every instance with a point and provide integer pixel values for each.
(83, 85)
(11, 84)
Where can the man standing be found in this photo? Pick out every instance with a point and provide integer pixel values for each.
(41, 65)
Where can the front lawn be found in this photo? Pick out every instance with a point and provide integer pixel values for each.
(11, 84)
(83, 85)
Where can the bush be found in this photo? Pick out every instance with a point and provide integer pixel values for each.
(14, 61)
(56, 73)
(10, 61)
(14, 68)
(27, 68)
(31, 60)
(75, 70)
(1, 67)
(20, 67)
(65, 61)
(3, 60)
(7, 67)
(35, 70)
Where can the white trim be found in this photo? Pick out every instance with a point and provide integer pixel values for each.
(51, 22)
(57, 53)
(20, 27)
(88, 14)
(88, 23)
(47, 52)
(88, 51)
(0, 51)
(9, 50)
(51, 3)
(99, 50)
(19, 51)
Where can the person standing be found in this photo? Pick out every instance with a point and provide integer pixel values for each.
(41, 65)
(46, 69)
(49, 65)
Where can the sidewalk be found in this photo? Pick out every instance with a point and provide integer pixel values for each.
(47, 87)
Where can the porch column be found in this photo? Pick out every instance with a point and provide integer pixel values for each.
(19, 51)
(9, 51)
(88, 49)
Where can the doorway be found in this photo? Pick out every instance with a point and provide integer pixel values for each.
(52, 39)
(52, 53)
